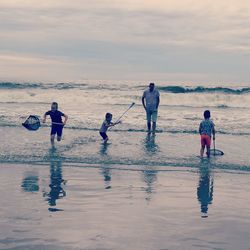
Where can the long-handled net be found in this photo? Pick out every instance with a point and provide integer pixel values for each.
(215, 152)
(125, 112)
(130, 106)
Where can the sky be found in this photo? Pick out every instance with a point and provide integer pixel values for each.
(142, 40)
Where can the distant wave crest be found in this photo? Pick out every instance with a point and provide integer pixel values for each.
(183, 90)
(14, 85)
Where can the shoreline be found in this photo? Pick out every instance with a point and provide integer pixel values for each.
(136, 168)
(131, 149)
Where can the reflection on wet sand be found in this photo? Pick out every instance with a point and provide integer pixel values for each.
(105, 171)
(56, 180)
(205, 190)
(104, 149)
(150, 147)
(30, 182)
(150, 176)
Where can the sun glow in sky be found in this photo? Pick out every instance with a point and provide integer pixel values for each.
(181, 41)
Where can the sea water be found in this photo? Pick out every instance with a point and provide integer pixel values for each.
(180, 112)
(138, 191)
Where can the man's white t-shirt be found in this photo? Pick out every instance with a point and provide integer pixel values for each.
(151, 99)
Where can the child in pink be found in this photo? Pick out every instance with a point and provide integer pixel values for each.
(206, 130)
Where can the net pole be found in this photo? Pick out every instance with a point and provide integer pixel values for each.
(125, 112)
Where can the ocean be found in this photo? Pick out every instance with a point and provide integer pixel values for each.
(138, 191)
(181, 110)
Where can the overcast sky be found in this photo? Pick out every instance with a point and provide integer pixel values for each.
(172, 41)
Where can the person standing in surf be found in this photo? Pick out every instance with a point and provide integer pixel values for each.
(56, 122)
(206, 130)
(152, 97)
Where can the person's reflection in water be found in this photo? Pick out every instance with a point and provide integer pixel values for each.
(205, 190)
(30, 182)
(56, 180)
(104, 149)
(150, 175)
(105, 171)
(150, 147)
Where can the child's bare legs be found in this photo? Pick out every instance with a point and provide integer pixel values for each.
(52, 140)
(202, 151)
(106, 139)
(104, 136)
(208, 151)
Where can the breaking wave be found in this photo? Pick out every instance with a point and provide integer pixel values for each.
(183, 90)
(96, 86)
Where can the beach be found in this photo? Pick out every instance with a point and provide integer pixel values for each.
(105, 109)
(138, 191)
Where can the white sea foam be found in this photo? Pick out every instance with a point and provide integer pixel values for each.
(86, 105)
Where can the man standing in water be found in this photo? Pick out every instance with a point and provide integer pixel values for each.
(152, 97)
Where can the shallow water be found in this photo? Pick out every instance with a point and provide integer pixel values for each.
(124, 148)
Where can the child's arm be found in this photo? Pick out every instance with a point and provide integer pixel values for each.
(213, 131)
(44, 118)
(65, 119)
(112, 124)
(200, 129)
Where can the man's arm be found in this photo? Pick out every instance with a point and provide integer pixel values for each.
(143, 102)
(157, 102)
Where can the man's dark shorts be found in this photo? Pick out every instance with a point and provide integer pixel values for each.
(56, 129)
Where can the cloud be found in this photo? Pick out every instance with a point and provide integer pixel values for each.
(185, 37)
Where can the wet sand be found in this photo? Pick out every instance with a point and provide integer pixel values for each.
(82, 206)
